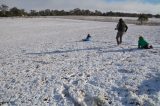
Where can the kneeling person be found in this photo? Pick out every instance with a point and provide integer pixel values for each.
(143, 44)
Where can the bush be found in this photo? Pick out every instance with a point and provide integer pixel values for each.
(142, 18)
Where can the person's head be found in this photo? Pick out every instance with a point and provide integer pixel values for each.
(140, 37)
(88, 35)
(121, 20)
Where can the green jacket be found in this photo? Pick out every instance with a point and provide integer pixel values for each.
(142, 43)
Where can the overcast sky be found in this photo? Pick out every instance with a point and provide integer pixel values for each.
(134, 6)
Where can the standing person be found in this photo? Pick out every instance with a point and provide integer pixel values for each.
(121, 27)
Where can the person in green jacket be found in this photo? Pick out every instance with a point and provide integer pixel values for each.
(143, 44)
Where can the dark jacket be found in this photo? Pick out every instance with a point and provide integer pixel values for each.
(121, 26)
(87, 38)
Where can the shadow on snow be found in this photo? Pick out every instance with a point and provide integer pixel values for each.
(98, 49)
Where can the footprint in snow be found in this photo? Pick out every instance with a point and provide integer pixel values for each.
(125, 71)
(67, 94)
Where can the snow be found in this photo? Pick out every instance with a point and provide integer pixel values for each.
(44, 62)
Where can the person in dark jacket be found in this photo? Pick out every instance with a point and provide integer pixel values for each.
(122, 28)
(143, 44)
(88, 38)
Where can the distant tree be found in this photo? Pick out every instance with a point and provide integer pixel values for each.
(149, 15)
(157, 15)
(83, 12)
(87, 12)
(77, 11)
(110, 13)
(56, 12)
(98, 13)
(3, 9)
(142, 18)
(23, 12)
(17, 12)
(62, 12)
(33, 13)
(47, 12)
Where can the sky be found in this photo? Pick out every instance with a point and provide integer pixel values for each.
(131, 6)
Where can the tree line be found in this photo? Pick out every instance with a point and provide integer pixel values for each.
(5, 11)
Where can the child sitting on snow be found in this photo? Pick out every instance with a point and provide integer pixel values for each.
(143, 44)
(88, 38)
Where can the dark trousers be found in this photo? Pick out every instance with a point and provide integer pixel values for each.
(147, 47)
(119, 37)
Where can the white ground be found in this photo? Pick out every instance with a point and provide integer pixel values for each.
(44, 62)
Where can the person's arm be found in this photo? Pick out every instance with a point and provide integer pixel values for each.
(117, 26)
(126, 28)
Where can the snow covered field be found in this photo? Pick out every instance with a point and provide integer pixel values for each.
(43, 62)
